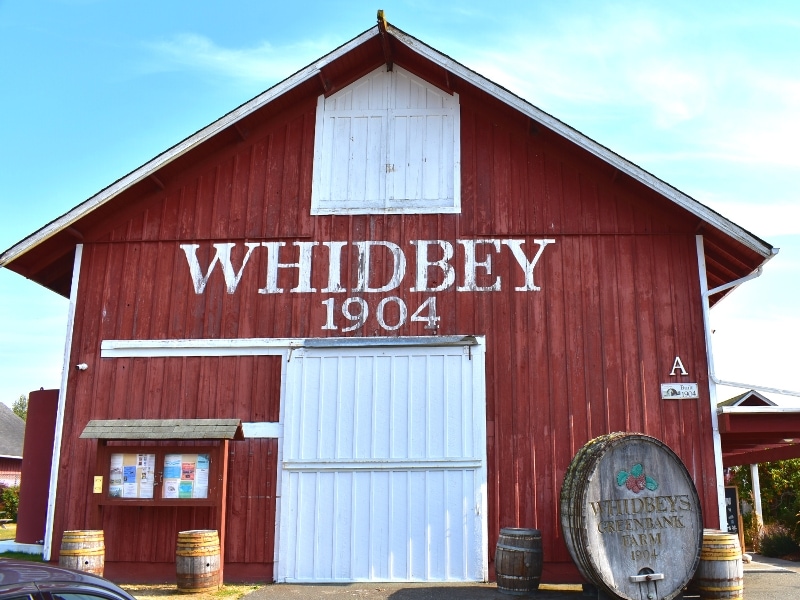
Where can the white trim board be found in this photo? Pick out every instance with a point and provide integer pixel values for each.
(62, 398)
(264, 346)
(267, 429)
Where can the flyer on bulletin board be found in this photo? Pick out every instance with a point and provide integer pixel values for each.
(172, 466)
(172, 475)
(185, 489)
(201, 477)
(115, 476)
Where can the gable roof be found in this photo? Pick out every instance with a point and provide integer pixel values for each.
(163, 429)
(46, 255)
(12, 433)
(749, 398)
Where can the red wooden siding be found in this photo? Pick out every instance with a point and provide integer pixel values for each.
(134, 534)
(245, 387)
(10, 471)
(584, 356)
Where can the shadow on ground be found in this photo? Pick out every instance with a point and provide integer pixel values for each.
(408, 591)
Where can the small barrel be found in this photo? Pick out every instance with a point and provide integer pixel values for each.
(720, 574)
(518, 560)
(83, 550)
(197, 561)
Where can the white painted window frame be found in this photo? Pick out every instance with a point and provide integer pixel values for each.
(394, 206)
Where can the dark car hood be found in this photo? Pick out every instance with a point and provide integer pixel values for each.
(23, 571)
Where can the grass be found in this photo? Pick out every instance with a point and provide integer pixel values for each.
(143, 592)
(168, 592)
(22, 556)
(155, 592)
(8, 533)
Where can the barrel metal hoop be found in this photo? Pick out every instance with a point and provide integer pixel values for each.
(85, 552)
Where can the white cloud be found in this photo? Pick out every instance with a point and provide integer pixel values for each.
(662, 74)
(771, 219)
(262, 64)
(750, 119)
(759, 350)
(616, 59)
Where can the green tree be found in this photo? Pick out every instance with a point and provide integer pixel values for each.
(20, 407)
(9, 501)
(780, 490)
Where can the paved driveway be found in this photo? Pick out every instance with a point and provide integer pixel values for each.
(771, 579)
(764, 579)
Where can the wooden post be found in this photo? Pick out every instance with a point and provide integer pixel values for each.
(101, 468)
(222, 495)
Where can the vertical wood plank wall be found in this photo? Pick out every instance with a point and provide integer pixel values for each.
(10, 471)
(584, 356)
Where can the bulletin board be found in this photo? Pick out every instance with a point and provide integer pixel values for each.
(153, 475)
(162, 462)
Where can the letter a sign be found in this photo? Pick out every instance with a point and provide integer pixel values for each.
(678, 365)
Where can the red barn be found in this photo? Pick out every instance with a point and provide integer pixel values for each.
(419, 293)
(12, 437)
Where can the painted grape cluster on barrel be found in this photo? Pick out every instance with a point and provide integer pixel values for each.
(636, 480)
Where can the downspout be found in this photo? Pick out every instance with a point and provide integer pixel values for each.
(713, 381)
(62, 398)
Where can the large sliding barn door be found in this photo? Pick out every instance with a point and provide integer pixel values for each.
(384, 465)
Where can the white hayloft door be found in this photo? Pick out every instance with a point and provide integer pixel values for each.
(390, 142)
(384, 465)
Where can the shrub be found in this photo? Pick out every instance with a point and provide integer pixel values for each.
(776, 541)
(9, 498)
(752, 531)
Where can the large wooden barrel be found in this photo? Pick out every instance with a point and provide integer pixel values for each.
(518, 560)
(631, 517)
(720, 574)
(197, 560)
(83, 550)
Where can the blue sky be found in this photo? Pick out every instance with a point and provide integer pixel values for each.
(705, 95)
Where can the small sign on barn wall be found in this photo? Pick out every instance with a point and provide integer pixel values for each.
(678, 391)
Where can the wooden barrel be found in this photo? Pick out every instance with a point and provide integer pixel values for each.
(83, 550)
(720, 573)
(197, 560)
(631, 517)
(518, 560)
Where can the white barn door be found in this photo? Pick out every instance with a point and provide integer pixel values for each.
(384, 465)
